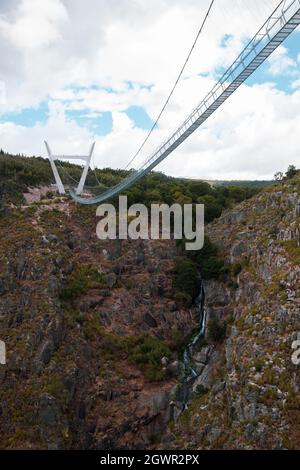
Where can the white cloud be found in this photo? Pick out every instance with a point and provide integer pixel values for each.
(252, 141)
(50, 45)
(67, 53)
(296, 84)
(281, 63)
(36, 24)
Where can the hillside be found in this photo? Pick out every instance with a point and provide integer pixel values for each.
(96, 331)
(247, 393)
(86, 324)
(19, 174)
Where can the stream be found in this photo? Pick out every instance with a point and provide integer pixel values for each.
(189, 373)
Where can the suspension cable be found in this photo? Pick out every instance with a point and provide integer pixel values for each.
(174, 86)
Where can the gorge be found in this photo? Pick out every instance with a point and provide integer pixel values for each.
(136, 344)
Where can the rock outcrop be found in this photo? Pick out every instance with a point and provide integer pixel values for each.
(92, 333)
(76, 313)
(249, 394)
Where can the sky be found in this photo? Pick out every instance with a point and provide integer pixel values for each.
(77, 71)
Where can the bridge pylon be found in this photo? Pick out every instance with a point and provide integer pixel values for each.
(84, 158)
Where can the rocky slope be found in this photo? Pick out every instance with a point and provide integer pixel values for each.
(247, 395)
(94, 336)
(86, 324)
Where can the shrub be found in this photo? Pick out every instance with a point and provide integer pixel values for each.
(144, 351)
(291, 172)
(293, 250)
(185, 282)
(85, 277)
(92, 328)
(236, 269)
(201, 391)
(56, 385)
(178, 342)
(216, 330)
(210, 259)
(147, 354)
(183, 299)
(50, 195)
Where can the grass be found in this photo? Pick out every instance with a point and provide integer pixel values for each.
(55, 386)
(293, 250)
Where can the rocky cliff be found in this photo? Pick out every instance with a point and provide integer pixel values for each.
(91, 330)
(95, 338)
(247, 395)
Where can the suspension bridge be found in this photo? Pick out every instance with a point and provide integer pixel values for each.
(280, 24)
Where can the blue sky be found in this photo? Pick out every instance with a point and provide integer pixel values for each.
(108, 83)
(283, 81)
(102, 122)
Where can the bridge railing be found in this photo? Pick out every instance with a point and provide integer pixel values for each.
(284, 19)
(281, 15)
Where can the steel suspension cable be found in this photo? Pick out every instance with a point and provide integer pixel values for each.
(174, 86)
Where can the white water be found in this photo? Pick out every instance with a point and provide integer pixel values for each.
(189, 372)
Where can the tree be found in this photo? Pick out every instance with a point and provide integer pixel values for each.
(278, 176)
(186, 277)
(291, 172)
(2, 197)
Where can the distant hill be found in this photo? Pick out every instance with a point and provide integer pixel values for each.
(240, 183)
(245, 183)
(18, 174)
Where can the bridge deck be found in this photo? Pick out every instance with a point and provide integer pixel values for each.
(283, 21)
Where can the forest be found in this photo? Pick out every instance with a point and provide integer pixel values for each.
(18, 173)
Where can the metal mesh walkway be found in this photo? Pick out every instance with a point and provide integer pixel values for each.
(283, 21)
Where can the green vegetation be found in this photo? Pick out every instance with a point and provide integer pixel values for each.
(291, 172)
(17, 173)
(92, 328)
(143, 351)
(235, 269)
(293, 250)
(147, 354)
(85, 277)
(211, 260)
(56, 385)
(201, 391)
(216, 330)
(185, 282)
(252, 184)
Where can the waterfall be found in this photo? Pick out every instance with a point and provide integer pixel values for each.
(189, 372)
